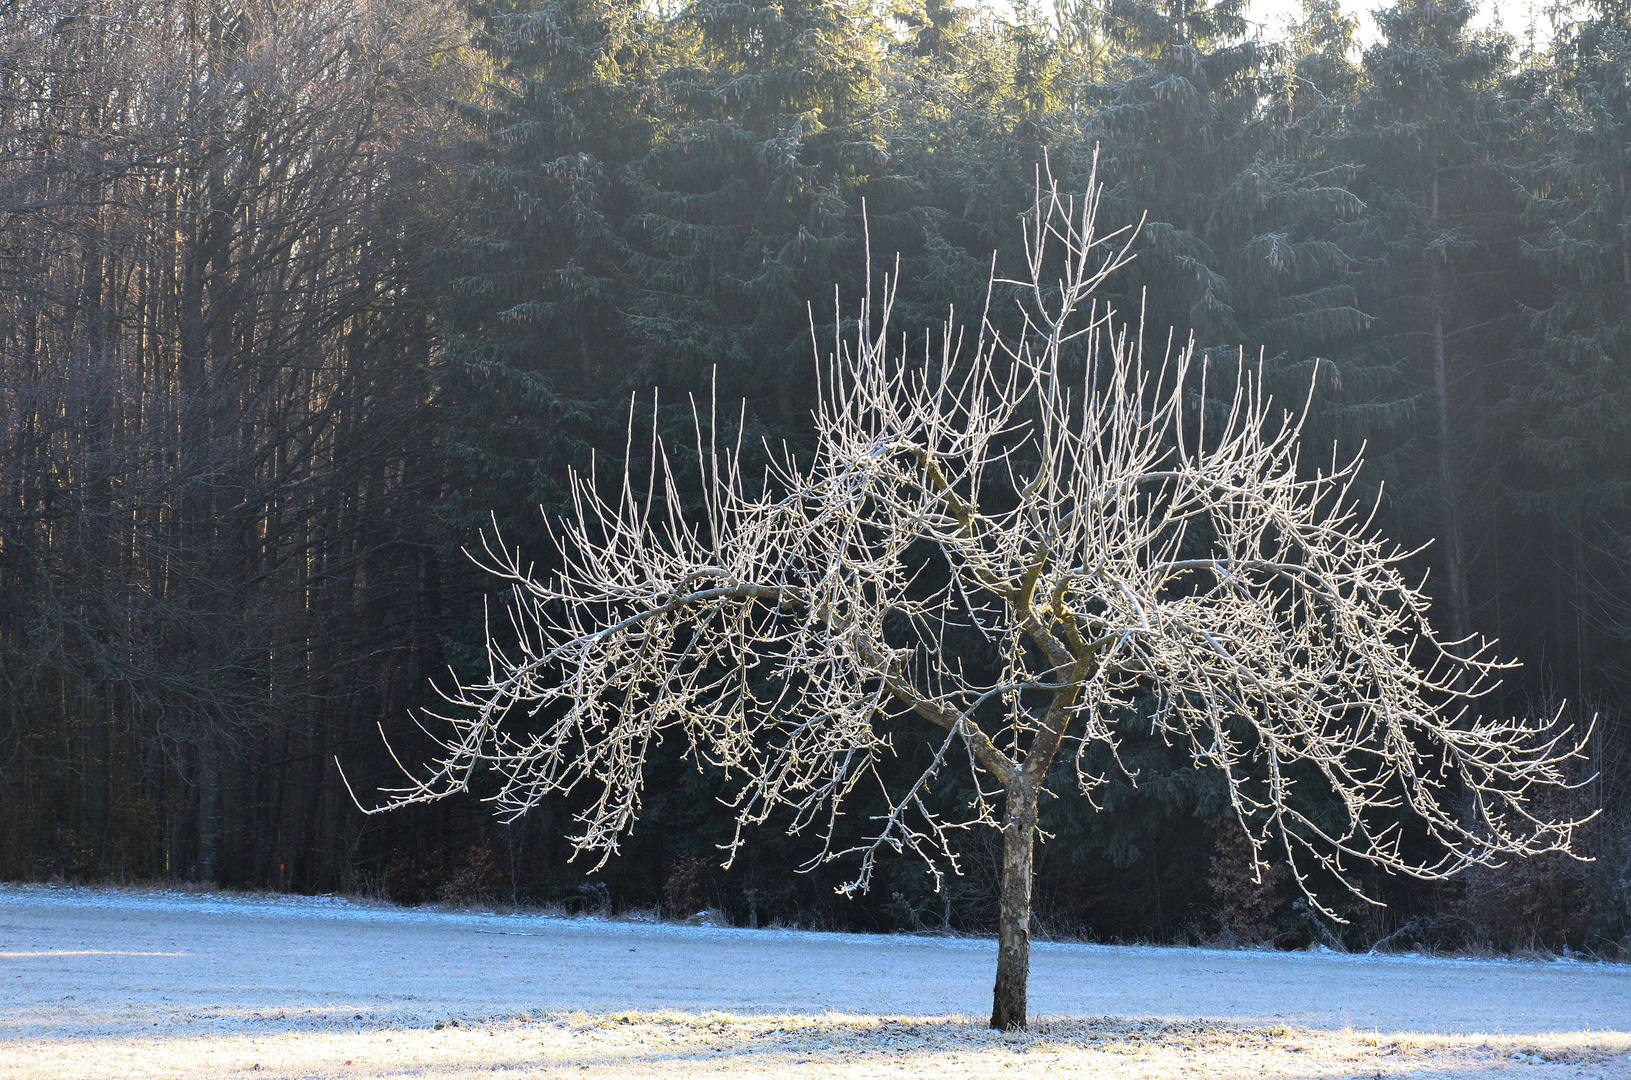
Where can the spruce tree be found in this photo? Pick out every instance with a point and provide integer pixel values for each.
(537, 349)
(1569, 407)
(749, 205)
(1214, 136)
(1435, 255)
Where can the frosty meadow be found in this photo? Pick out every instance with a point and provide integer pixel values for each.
(112, 984)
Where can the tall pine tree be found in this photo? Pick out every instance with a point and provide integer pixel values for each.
(1570, 403)
(1435, 257)
(538, 350)
(749, 206)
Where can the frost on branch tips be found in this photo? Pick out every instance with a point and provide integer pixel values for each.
(1017, 539)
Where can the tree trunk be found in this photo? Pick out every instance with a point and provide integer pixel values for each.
(209, 811)
(1454, 554)
(1014, 912)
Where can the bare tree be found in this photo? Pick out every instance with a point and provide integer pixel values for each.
(212, 335)
(1115, 551)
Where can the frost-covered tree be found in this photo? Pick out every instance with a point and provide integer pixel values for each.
(1015, 544)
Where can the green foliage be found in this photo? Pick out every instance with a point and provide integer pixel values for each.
(534, 295)
(748, 206)
(1567, 407)
(1574, 397)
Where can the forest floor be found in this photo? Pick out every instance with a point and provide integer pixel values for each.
(110, 983)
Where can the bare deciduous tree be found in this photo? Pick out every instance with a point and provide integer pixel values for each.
(212, 336)
(1114, 551)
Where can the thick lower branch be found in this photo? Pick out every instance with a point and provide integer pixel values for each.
(980, 744)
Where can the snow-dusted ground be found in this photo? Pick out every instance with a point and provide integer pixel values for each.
(87, 967)
(68, 956)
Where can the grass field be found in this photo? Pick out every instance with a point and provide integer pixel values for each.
(115, 984)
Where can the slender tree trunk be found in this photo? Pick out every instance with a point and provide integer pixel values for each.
(1582, 643)
(1454, 555)
(209, 811)
(1014, 912)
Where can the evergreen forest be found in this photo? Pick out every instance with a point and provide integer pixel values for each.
(297, 299)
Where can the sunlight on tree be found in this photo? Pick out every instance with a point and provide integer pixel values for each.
(1025, 540)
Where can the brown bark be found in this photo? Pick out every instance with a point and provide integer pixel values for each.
(1008, 998)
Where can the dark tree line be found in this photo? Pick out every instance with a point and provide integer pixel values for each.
(292, 297)
(216, 564)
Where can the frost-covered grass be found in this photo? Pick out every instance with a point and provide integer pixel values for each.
(122, 983)
(688, 1045)
(195, 899)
